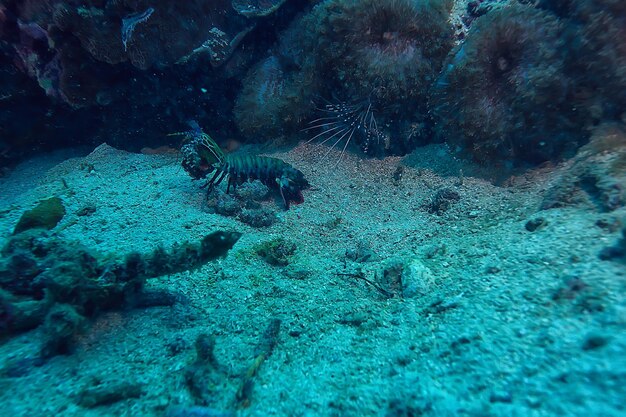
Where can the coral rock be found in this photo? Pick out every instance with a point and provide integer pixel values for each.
(504, 95)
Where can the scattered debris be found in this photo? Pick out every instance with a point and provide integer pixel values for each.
(197, 411)
(443, 304)
(615, 252)
(204, 377)
(109, 393)
(262, 217)
(595, 341)
(360, 275)
(597, 175)
(87, 210)
(362, 253)
(396, 178)
(244, 203)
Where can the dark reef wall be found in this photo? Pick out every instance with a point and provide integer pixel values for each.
(517, 82)
(125, 71)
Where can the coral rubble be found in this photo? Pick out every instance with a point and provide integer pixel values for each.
(45, 280)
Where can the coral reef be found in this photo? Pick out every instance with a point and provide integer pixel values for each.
(156, 33)
(387, 54)
(273, 101)
(45, 280)
(256, 8)
(377, 55)
(522, 86)
(387, 50)
(505, 94)
(277, 92)
(64, 59)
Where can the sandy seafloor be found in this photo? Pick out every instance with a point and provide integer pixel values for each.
(504, 347)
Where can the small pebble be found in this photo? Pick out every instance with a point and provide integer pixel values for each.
(536, 224)
(501, 397)
(594, 341)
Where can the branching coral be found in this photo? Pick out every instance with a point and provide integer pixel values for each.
(504, 93)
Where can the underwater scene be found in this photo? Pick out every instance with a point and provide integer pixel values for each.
(302, 208)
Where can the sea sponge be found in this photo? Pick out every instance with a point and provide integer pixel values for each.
(504, 94)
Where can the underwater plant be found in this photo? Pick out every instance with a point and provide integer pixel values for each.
(504, 94)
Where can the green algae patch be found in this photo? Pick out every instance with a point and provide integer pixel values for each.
(45, 215)
(277, 252)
